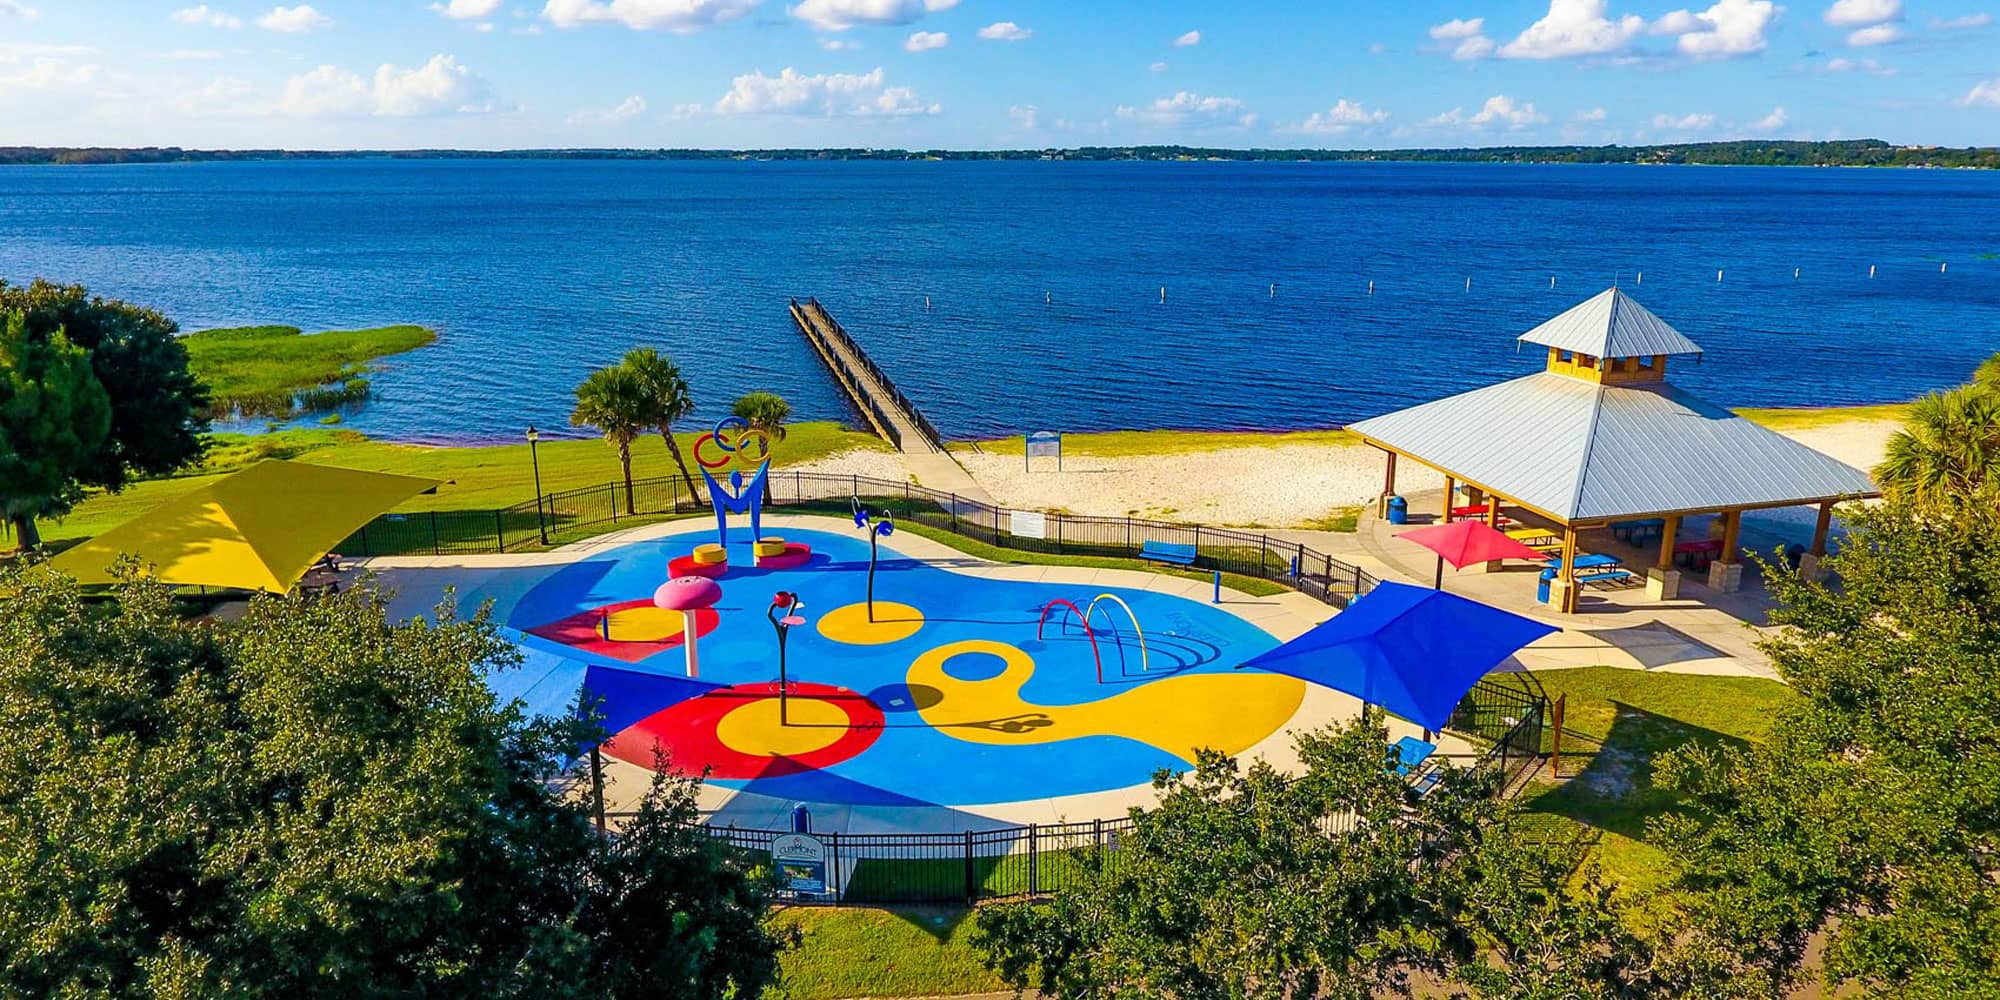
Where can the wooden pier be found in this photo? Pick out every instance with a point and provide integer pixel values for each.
(882, 406)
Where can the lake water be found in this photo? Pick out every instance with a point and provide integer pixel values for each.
(1043, 279)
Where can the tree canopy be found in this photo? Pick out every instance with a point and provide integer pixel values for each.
(54, 416)
(667, 401)
(1872, 812)
(315, 802)
(617, 402)
(1948, 451)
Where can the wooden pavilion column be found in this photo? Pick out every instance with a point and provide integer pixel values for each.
(1388, 485)
(1663, 582)
(1725, 574)
(1492, 521)
(1809, 563)
(1562, 594)
(1450, 490)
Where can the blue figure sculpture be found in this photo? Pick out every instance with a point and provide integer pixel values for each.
(734, 436)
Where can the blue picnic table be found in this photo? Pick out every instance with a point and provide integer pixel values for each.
(1411, 754)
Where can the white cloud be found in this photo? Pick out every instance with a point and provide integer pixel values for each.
(207, 16)
(467, 10)
(293, 20)
(1855, 13)
(1190, 38)
(1592, 115)
(1025, 115)
(1966, 23)
(1158, 66)
(1574, 28)
(1005, 31)
(840, 15)
(924, 41)
(1839, 64)
(1498, 110)
(1185, 108)
(1775, 120)
(857, 95)
(1728, 29)
(1875, 34)
(15, 8)
(1465, 37)
(441, 86)
(44, 71)
(1985, 94)
(1344, 116)
(678, 16)
(1684, 123)
(839, 44)
(631, 107)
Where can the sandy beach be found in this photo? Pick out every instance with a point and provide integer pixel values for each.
(1291, 485)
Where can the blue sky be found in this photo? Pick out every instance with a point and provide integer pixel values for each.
(991, 73)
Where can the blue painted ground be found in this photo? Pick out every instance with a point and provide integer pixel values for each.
(911, 763)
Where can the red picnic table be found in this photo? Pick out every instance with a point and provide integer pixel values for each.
(1477, 510)
(1703, 551)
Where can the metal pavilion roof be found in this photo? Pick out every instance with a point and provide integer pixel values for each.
(1611, 324)
(1585, 452)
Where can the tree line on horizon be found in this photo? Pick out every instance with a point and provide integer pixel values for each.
(1747, 152)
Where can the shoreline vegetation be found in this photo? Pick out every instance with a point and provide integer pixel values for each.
(1840, 153)
(280, 371)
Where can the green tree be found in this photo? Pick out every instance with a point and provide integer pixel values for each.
(316, 802)
(1243, 883)
(766, 412)
(1988, 374)
(621, 406)
(1948, 451)
(668, 398)
(53, 420)
(1871, 814)
(156, 405)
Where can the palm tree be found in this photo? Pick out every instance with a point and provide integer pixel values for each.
(767, 412)
(617, 403)
(1948, 451)
(669, 401)
(1988, 374)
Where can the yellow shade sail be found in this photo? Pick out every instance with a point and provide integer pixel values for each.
(258, 529)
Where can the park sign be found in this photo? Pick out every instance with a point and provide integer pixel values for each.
(801, 861)
(1043, 444)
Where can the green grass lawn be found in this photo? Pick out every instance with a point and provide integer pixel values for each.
(1807, 419)
(1619, 720)
(855, 952)
(259, 369)
(1122, 444)
(483, 478)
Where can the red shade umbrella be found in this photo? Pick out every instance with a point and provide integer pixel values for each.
(1463, 542)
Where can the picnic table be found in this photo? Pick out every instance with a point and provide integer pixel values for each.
(1411, 753)
(1597, 568)
(1702, 551)
(1644, 529)
(1476, 510)
(1536, 538)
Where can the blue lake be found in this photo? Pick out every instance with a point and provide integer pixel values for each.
(1043, 279)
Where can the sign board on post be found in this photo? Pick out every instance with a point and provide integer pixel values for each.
(1028, 524)
(801, 862)
(1043, 444)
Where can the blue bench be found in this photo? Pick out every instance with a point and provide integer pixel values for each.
(1620, 575)
(1168, 552)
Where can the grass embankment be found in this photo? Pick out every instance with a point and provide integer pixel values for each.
(266, 370)
(1617, 722)
(851, 952)
(1809, 419)
(483, 478)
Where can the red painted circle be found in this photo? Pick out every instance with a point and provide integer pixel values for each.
(686, 732)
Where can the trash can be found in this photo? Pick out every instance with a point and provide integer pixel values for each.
(1542, 588)
(802, 821)
(1399, 510)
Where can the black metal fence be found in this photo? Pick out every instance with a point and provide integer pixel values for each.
(1042, 859)
(571, 515)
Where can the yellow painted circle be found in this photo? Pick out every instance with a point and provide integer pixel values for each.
(810, 724)
(644, 624)
(850, 624)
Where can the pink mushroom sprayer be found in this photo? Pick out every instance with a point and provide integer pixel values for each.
(687, 595)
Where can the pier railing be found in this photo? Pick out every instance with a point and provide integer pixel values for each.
(811, 315)
(573, 515)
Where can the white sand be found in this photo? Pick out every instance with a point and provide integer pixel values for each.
(1282, 486)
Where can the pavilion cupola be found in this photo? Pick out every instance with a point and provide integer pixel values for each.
(1610, 339)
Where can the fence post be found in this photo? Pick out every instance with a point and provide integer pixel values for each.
(1128, 531)
(1197, 541)
(954, 513)
(364, 537)
(1034, 858)
(436, 549)
(1556, 750)
(1059, 534)
(611, 490)
(499, 531)
(1097, 834)
(971, 888)
(1261, 554)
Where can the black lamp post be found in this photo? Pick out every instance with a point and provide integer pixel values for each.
(784, 614)
(534, 458)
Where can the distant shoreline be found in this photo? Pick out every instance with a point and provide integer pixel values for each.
(1842, 153)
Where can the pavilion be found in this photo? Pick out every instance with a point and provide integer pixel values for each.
(1600, 437)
